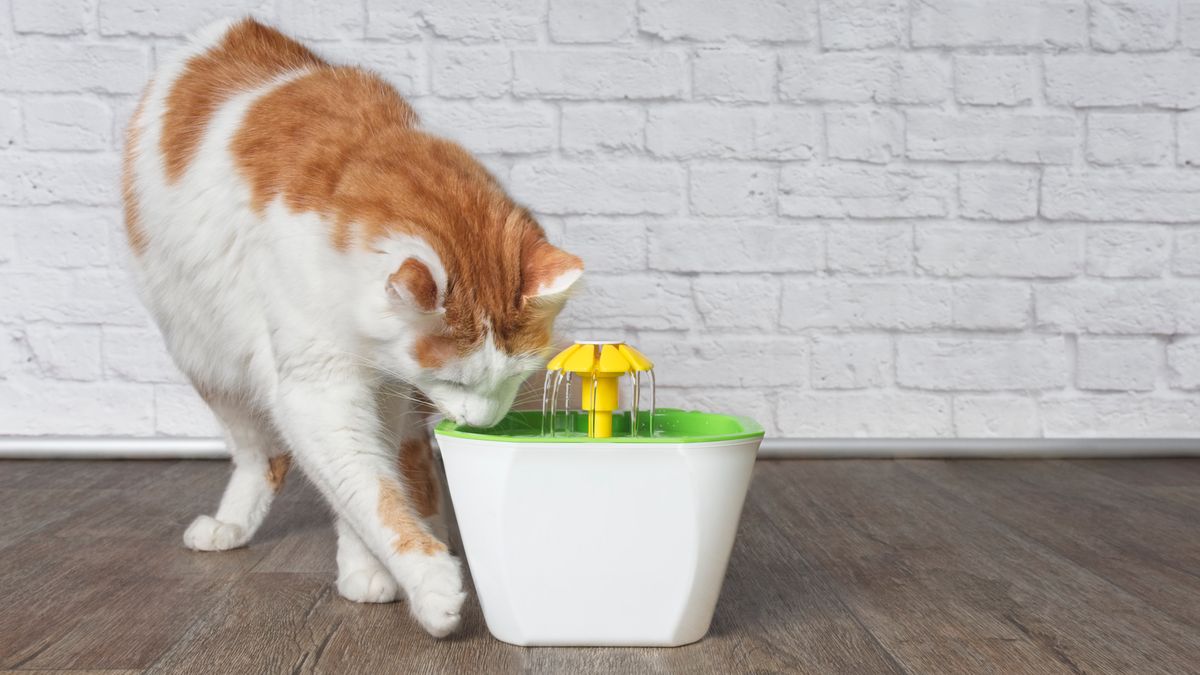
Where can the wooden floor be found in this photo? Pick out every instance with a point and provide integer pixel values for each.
(840, 567)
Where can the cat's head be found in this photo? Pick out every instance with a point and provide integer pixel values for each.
(473, 316)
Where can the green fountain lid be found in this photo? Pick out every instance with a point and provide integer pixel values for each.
(670, 426)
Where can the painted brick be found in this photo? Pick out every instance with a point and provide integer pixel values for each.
(1128, 308)
(996, 417)
(469, 72)
(1188, 142)
(1129, 139)
(71, 67)
(67, 123)
(45, 178)
(1186, 257)
(753, 164)
(994, 79)
(716, 20)
(1183, 363)
(594, 21)
(50, 17)
(991, 136)
(870, 249)
(152, 18)
(729, 361)
(987, 23)
(738, 302)
(138, 355)
(65, 352)
(866, 414)
(1133, 25)
(736, 247)
(865, 134)
(1005, 251)
(494, 127)
(1117, 364)
(607, 245)
(466, 20)
(864, 192)
(864, 77)
(945, 363)
(862, 24)
(753, 403)
(1120, 195)
(35, 407)
(599, 74)
(633, 302)
(1163, 81)
(691, 131)
(1133, 251)
(64, 236)
(10, 122)
(731, 189)
(991, 305)
(609, 127)
(997, 194)
(616, 187)
(733, 75)
(1123, 415)
(851, 361)
(92, 296)
(836, 303)
(1189, 23)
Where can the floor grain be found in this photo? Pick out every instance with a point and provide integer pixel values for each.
(914, 566)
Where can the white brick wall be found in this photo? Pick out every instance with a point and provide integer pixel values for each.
(973, 218)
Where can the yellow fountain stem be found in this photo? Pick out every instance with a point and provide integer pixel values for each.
(600, 411)
(599, 365)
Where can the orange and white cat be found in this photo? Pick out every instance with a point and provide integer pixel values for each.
(318, 265)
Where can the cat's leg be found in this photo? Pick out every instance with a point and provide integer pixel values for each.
(331, 423)
(406, 414)
(361, 577)
(259, 467)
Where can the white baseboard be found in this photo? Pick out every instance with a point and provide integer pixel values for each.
(80, 447)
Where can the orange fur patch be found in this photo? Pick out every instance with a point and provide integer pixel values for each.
(133, 217)
(250, 55)
(417, 279)
(342, 143)
(277, 468)
(396, 513)
(416, 465)
(432, 351)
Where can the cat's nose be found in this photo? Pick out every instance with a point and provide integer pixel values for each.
(483, 418)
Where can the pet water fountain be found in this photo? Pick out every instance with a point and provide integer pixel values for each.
(596, 525)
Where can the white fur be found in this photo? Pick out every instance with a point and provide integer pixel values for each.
(295, 340)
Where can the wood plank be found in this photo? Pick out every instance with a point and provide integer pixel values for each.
(900, 569)
(948, 589)
(839, 566)
(1116, 530)
(260, 625)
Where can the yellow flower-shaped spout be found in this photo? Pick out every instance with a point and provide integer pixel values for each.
(599, 364)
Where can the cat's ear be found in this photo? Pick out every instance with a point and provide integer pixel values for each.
(416, 285)
(548, 273)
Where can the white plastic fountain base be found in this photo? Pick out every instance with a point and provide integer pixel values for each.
(597, 543)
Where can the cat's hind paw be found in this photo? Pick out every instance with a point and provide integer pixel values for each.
(209, 534)
(368, 585)
(438, 596)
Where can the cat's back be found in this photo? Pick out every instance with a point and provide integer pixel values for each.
(198, 240)
(177, 143)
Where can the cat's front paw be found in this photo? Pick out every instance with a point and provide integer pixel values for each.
(368, 585)
(438, 595)
(209, 534)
